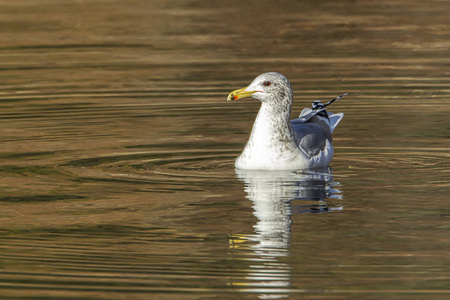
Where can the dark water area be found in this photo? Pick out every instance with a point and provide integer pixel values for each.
(117, 151)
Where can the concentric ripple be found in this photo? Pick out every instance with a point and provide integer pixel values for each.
(167, 166)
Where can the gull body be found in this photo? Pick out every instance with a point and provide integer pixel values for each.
(279, 143)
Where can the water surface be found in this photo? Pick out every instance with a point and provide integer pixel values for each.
(118, 146)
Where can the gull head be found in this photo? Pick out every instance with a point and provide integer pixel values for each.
(269, 87)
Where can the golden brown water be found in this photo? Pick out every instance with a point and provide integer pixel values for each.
(117, 150)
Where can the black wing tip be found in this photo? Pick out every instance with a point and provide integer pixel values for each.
(319, 105)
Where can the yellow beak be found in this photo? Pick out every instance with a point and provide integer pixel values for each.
(240, 93)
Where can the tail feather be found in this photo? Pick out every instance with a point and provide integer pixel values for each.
(319, 109)
(334, 120)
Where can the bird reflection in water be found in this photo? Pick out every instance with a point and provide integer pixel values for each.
(276, 195)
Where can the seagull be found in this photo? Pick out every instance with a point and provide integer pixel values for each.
(279, 143)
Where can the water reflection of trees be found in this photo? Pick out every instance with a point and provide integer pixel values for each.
(276, 195)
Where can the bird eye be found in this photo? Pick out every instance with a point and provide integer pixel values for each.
(267, 83)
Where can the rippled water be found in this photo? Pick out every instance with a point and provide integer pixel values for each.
(117, 151)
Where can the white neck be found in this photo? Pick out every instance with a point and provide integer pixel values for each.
(271, 124)
(272, 143)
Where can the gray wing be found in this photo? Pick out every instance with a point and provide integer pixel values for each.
(306, 116)
(314, 127)
(312, 134)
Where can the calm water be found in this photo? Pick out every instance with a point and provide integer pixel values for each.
(117, 148)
